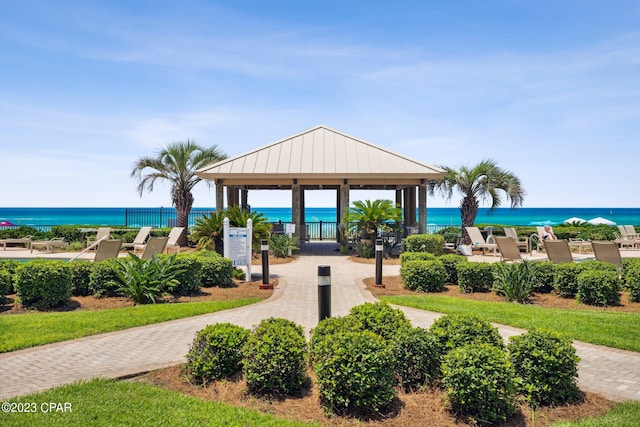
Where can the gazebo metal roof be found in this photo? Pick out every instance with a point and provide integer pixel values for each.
(322, 158)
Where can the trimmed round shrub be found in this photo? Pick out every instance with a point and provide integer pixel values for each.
(188, 274)
(632, 283)
(565, 279)
(103, 280)
(480, 382)
(5, 285)
(380, 318)
(417, 356)
(328, 327)
(216, 270)
(416, 256)
(80, 277)
(547, 366)
(450, 262)
(474, 277)
(456, 330)
(274, 357)
(566, 275)
(597, 287)
(629, 264)
(216, 353)
(43, 283)
(10, 266)
(542, 276)
(433, 243)
(356, 373)
(423, 276)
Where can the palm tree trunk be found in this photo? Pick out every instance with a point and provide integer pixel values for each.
(183, 206)
(468, 214)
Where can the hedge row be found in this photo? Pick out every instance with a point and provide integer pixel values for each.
(358, 370)
(591, 282)
(50, 283)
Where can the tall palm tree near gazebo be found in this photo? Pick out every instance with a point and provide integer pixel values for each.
(482, 182)
(176, 163)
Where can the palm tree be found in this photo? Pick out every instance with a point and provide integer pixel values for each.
(177, 164)
(483, 182)
(370, 216)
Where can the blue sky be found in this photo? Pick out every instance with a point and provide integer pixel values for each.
(549, 89)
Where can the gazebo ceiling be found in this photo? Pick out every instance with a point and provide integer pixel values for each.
(320, 158)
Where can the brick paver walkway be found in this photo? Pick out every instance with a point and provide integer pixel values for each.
(612, 373)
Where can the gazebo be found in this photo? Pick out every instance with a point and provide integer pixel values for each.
(326, 159)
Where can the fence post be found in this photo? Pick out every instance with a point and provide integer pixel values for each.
(320, 230)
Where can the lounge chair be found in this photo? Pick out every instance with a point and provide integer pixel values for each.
(108, 249)
(140, 239)
(558, 251)
(607, 252)
(49, 245)
(478, 242)
(578, 243)
(172, 243)
(511, 232)
(102, 234)
(26, 241)
(508, 248)
(154, 246)
(628, 238)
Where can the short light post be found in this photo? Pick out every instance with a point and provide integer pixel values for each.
(379, 249)
(324, 292)
(264, 247)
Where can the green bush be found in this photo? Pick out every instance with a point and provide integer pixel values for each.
(274, 358)
(187, 270)
(629, 264)
(80, 277)
(547, 366)
(43, 283)
(5, 285)
(364, 249)
(281, 244)
(480, 383)
(450, 262)
(632, 283)
(598, 287)
(144, 280)
(10, 266)
(70, 233)
(356, 373)
(565, 279)
(433, 243)
(417, 357)
(514, 281)
(216, 270)
(216, 353)
(380, 318)
(103, 280)
(474, 277)
(327, 328)
(416, 256)
(543, 273)
(423, 276)
(455, 330)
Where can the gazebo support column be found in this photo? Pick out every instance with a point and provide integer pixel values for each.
(233, 196)
(244, 195)
(339, 209)
(422, 208)
(303, 224)
(344, 204)
(295, 207)
(219, 196)
(398, 203)
(409, 207)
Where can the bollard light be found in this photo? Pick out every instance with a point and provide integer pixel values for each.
(324, 292)
(379, 249)
(264, 247)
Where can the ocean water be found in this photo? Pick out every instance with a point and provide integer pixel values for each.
(439, 216)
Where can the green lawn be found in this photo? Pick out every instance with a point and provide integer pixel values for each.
(110, 403)
(622, 415)
(17, 331)
(618, 330)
